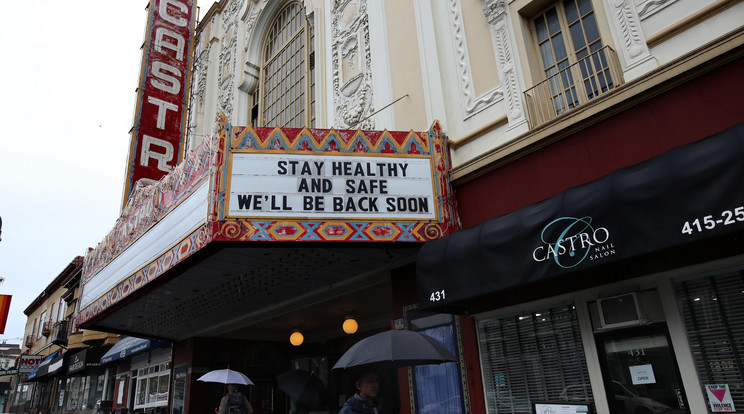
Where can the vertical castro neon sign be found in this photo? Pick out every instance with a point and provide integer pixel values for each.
(162, 96)
(569, 241)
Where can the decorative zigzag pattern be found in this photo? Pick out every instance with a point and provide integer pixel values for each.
(329, 140)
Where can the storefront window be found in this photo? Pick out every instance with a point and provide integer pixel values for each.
(76, 393)
(95, 394)
(152, 386)
(533, 356)
(22, 394)
(438, 387)
(60, 400)
(713, 310)
(141, 387)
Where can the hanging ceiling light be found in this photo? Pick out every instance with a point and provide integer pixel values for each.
(350, 325)
(296, 338)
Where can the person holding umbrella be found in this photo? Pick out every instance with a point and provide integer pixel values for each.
(234, 402)
(365, 401)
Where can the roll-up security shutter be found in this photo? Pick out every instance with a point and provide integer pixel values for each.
(531, 357)
(713, 310)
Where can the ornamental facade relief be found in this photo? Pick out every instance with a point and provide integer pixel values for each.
(351, 63)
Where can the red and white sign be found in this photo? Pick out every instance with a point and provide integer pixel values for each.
(28, 363)
(719, 398)
(162, 96)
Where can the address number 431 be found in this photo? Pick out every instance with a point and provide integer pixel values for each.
(437, 296)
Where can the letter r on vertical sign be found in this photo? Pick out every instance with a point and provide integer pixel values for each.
(161, 158)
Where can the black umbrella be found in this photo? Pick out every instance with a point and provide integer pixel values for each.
(396, 348)
(304, 388)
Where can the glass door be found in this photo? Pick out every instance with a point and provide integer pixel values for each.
(640, 372)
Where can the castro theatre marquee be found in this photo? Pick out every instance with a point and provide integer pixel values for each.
(244, 185)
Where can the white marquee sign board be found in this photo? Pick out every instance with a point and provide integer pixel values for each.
(268, 185)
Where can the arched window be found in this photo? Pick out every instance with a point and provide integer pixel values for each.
(285, 94)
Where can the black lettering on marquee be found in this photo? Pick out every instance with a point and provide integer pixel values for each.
(314, 203)
(249, 202)
(407, 204)
(315, 185)
(366, 186)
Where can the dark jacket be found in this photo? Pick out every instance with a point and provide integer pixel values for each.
(359, 405)
(223, 403)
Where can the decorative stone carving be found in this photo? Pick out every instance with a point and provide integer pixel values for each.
(472, 103)
(648, 7)
(201, 69)
(228, 56)
(496, 14)
(632, 42)
(250, 23)
(249, 77)
(351, 62)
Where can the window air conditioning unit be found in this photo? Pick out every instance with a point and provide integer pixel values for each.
(622, 310)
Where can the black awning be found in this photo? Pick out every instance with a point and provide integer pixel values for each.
(86, 359)
(43, 367)
(688, 194)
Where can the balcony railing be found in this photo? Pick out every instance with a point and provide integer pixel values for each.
(46, 328)
(597, 74)
(59, 334)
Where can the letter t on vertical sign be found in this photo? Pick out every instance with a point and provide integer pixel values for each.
(157, 135)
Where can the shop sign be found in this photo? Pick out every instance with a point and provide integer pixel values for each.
(719, 398)
(570, 241)
(160, 113)
(28, 363)
(642, 374)
(327, 186)
(77, 362)
(55, 365)
(9, 371)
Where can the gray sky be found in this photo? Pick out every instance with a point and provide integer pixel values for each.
(69, 75)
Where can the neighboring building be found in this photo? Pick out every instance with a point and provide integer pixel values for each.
(65, 379)
(574, 238)
(8, 371)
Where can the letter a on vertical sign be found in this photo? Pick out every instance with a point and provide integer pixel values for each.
(157, 135)
(4, 310)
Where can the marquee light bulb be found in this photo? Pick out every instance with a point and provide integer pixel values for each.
(296, 338)
(350, 325)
